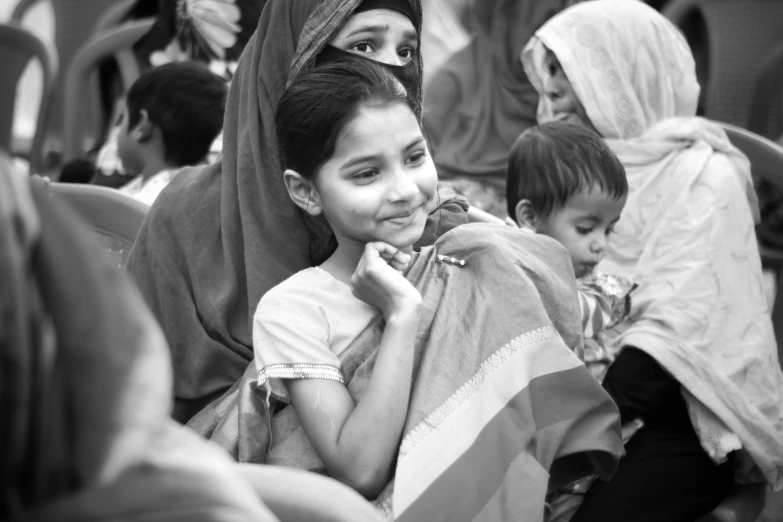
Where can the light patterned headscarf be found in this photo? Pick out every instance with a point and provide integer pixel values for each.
(686, 235)
(628, 75)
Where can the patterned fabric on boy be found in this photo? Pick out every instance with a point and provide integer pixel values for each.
(605, 300)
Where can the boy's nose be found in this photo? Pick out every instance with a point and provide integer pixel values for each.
(598, 245)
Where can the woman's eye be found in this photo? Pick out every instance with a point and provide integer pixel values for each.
(406, 54)
(363, 47)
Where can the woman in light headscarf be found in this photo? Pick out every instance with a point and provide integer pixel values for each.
(480, 101)
(697, 359)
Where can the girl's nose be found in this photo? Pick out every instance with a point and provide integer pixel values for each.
(403, 187)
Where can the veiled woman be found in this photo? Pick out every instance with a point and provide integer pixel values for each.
(696, 360)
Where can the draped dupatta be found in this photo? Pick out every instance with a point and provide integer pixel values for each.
(500, 409)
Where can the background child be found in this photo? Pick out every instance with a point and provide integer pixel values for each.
(353, 150)
(565, 182)
(173, 114)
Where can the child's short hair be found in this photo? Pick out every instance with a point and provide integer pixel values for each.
(187, 102)
(551, 162)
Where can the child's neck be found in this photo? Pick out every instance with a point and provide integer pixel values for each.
(152, 166)
(343, 262)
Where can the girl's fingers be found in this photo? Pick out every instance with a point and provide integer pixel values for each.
(400, 261)
(385, 250)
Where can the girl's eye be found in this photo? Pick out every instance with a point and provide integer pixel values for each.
(416, 157)
(609, 231)
(365, 175)
(363, 47)
(583, 231)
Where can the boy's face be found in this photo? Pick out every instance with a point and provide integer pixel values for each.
(128, 148)
(583, 226)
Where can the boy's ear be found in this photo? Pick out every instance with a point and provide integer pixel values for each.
(143, 129)
(302, 192)
(525, 216)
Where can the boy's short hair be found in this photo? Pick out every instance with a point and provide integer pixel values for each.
(187, 102)
(551, 162)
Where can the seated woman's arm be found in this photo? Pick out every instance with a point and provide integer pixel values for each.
(699, 270)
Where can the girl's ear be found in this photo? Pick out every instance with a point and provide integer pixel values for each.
(302, 192)
(525, 216)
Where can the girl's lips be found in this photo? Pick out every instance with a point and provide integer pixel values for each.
(403, 216)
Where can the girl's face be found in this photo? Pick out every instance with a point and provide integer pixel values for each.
(565, 104)
(380, 183)
(382, 35)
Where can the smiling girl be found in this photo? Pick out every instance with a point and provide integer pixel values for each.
(354, 152)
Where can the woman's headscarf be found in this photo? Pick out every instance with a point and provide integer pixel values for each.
(686, 234)
(219, 237)
(480, 101)
(85, 390)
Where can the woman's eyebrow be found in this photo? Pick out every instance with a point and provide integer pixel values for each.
(375, 28)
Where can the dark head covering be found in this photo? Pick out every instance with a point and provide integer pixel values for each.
(401, 6)
(217, 238)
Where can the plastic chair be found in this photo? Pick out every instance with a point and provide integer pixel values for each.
(116, 42)
(766, 160)
(114, 217)
(17, 47)
(75, 21)
(766, 108)
(114, 15)
(736, 34)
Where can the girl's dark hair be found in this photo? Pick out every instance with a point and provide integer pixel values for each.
(318, 104)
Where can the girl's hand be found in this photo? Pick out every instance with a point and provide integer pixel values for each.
(378, 280)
